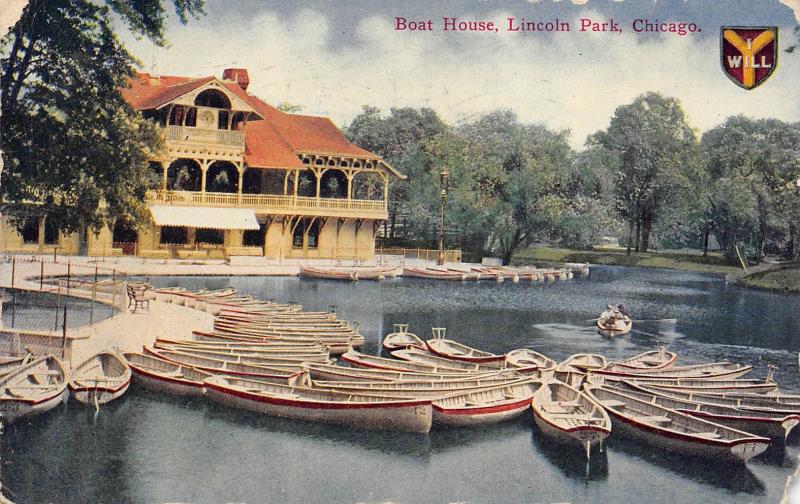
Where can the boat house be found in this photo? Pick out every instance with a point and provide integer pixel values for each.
(237, 177)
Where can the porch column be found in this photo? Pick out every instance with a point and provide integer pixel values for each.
(204, 163)
(349, 174)
(164, 169)
(296, 178)
(240, 168)
(385, 178)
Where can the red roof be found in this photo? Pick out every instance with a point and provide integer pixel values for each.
(274, 142)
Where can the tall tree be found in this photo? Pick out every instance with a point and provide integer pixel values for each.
(653, 143)
(70, 143)
(754, 165)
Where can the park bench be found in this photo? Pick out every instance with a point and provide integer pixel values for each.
(139, 296)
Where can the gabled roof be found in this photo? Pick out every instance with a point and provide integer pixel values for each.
(275, 142)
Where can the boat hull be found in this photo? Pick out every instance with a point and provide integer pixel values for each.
(474, 416)
(409, 417)
(577, 436)
(99, 395)
(157, 382)
(12, 410)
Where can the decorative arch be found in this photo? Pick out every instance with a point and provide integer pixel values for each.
(222, 176)
(213, 98)
(307, 184)
(184, 174)
(367, 186)
(333, 184)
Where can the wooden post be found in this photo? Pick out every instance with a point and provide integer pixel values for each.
(55, 255)
(64, 334)
(58, 307)
(13, 269)
(69, 273)
(41, 275)
(13, 307)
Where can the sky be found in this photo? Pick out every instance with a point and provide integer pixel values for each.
(332, 57)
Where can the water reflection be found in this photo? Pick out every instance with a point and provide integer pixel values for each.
(734, 477)
(571, 460)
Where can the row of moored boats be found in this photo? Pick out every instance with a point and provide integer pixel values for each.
(454, 272)
(279, 360)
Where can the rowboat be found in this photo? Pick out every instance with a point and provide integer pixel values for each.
(100, 379)
(302, 403)
(358, 359)
(585, 362)
(259, 358)
(761, 423)
(332, 372)
(434, 274)
(413, 354)
(485, 406)
(335, 345)
(451, 349)
(674, 431)
(10, 364)
(568, 415)
(33, 388)
(710, 386)
(527, 358)
(162, 375)
(614, 327)
(401, 338)
(328, 274)
(646, 361)
(266, 346)
(716, 370)
(418, 388)
(278, 374)
(426, 381)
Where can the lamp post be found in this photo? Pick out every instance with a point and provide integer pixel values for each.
(443, 175)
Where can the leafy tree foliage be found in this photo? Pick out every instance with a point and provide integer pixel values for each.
(70, 142)
(653, 144)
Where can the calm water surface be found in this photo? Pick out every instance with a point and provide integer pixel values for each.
(149, 448)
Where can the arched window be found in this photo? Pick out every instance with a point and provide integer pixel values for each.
(213, 98)
(184, 175)
(30, 230)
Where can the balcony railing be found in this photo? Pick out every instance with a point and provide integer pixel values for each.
(188, 134)
(270, 203)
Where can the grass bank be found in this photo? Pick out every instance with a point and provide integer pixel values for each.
(714, 263)
(786, 279)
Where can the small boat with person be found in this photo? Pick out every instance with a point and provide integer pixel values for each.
(614, 322)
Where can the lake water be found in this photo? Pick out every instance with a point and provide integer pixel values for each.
(150, 448)
(42, 311)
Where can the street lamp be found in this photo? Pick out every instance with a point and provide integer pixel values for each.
(443, 175)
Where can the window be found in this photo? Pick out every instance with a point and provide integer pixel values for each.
(174, 235)
(50, 232)
(211, 236)
(254, 238)
(313, 233)
(30, 230)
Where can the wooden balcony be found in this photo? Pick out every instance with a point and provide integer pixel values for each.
(275, 204)
(188, 134)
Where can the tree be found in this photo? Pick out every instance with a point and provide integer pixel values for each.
(71, 144)
(406, 139)
(754, 165)
(653, 144)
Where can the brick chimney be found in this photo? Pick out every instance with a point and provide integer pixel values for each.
(239, 75)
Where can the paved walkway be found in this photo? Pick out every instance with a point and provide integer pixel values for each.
(124, 331)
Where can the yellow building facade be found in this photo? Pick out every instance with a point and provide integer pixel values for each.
(237, 177)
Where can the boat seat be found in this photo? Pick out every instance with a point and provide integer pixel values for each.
(655, 419)
(557, 408)
(613, 403)
(709, 435)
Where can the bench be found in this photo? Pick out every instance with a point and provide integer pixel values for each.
(139, 296)
(612, 403)
(155, 254)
